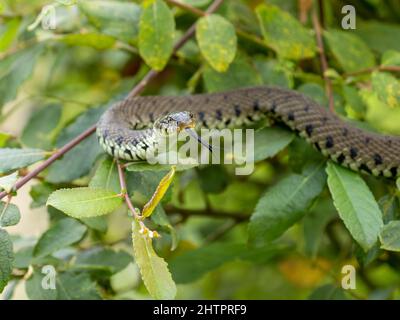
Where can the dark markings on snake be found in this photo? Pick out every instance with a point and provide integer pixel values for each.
(256, 106)
(367, 140)
(290, 116)
(237, 110)
(345, 132)
(151, 116)
(329, 142)
(228, 122)
(341, 158)
(273, 107)
(250, 118)
(306, 108)
(201, 115)
(378, 159)
(309, 129)
(128, 152)
(353, 152)
(317, 146)
(112, 150)
(393, 171)
(218, 115)
(365, 168)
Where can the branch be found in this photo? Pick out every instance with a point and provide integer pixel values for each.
(324, 63)
(372, 69)
(136, 90)
(239, 217)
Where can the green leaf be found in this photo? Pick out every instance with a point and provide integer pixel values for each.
(34, 289)
(72, 286)
(350, 51)
(390, 236)
(356, 205)
(102, 259)
(95, 40)
(40, 193)
(7, 182)
(391, 58)
(6, 258)
(217, 41)
(14, 70)
(154, 270)
(38, 133)
(145, 166)
(96, 223)
(85, 202)
(387, 88)
(63, 233)
(80, 159)
(285, 203)
(9, 214)
(13, 158)
(8, 35)
(193, 264)
(114, 18)
(285, 34)
(106, 176)
(379, 36)
(4, 137)
(274, 72)
(269, 141)
(240, 74)
(156, 33)
(328, 292)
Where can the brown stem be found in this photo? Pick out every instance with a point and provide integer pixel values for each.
(239, 217)
(137, 89)
(186, 7)
(324, 63)
(124, 190)
(372, 69)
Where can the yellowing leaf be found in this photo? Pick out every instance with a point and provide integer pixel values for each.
(154, 270)
(84, 202)
(387, 88)
(217, 41)
(303, 272)
(285, 34)
(156, 33)
(159, 193)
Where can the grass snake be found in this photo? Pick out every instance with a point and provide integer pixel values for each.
(130, 127)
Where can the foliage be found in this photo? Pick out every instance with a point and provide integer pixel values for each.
(285, 231)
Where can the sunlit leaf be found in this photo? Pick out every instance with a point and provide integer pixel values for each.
(156, 33)
(284, 33)
(84, 202)
(154, 270)
(387, 88)
(158, 193)
(95, 40)
(217, 41)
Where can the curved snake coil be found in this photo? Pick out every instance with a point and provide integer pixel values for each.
(125, 130)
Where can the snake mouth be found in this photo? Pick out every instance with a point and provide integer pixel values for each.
(194, 134)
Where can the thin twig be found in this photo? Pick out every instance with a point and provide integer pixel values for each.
(186, 7)
(324, 63)
(124, 190)
(239, 217)
(137, 89)
(372, 69)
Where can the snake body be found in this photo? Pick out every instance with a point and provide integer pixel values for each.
(125, 129)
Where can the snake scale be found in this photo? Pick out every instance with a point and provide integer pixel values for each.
(125, 130)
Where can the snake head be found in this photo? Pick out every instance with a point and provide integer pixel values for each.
(174, 122)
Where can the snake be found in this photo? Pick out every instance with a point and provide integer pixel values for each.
(129, 128)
